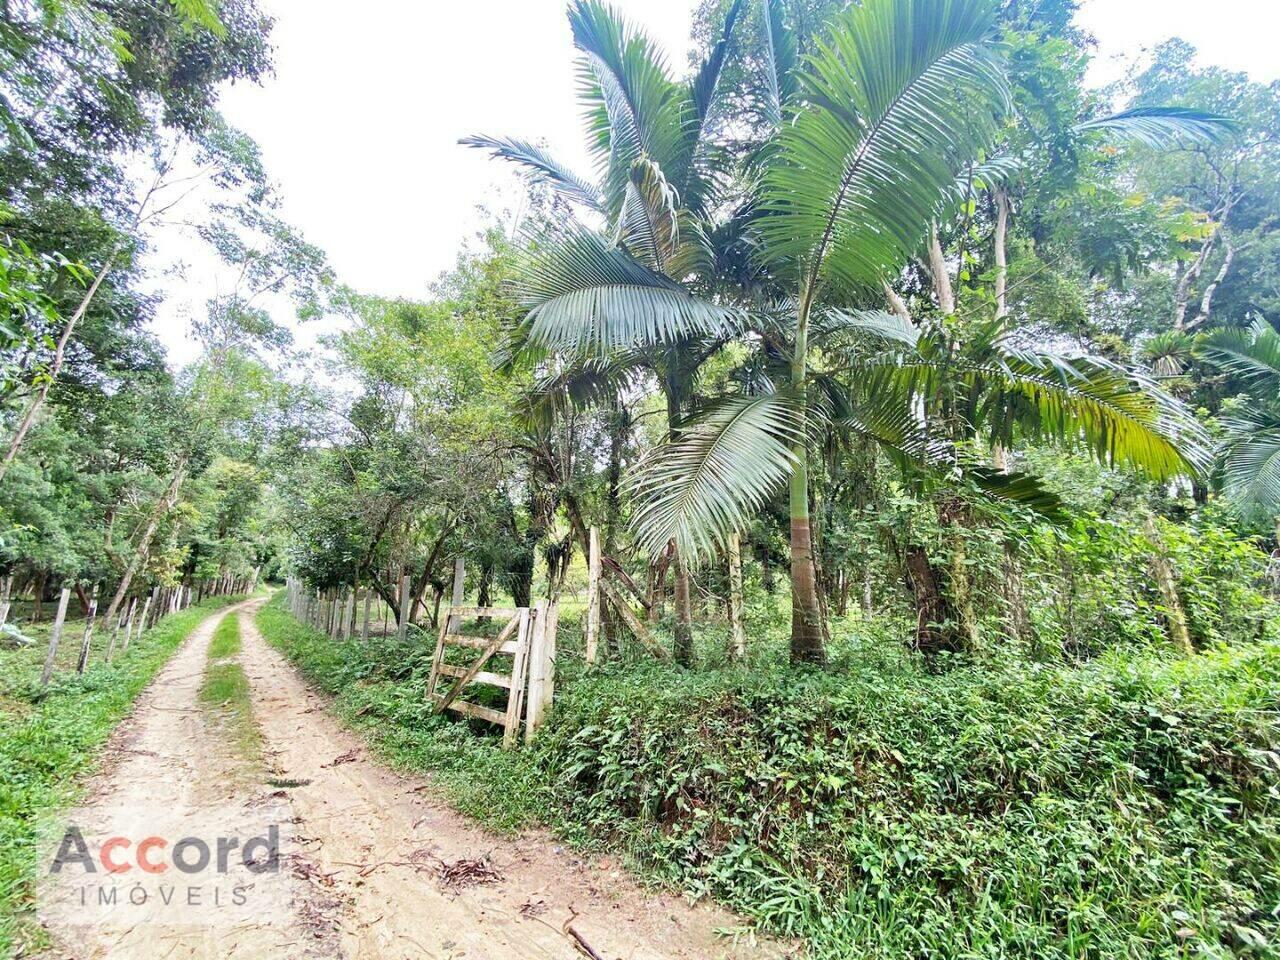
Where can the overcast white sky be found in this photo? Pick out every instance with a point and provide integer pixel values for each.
(359, 124)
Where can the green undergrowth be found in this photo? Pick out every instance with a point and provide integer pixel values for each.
(1128, 807)
(50, 740)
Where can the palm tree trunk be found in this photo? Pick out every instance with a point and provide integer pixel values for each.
(684, 609)
(806, 609)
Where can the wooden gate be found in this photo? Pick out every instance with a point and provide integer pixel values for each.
(527, 636)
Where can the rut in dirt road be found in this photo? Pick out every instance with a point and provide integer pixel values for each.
(375, 865)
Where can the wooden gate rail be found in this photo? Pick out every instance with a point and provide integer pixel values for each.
(528, 638)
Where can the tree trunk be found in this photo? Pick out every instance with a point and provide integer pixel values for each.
(1206, 301)
(59, 354)
(737, 625)
(806, 608)
(143, 551)
(684, 616)
(941, 276)
(934, 633)
(1002, 256)
(954, 516)
(1167, 581)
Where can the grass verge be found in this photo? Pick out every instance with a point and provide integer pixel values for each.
(225, 690)
(1128, 807)
(49, 740)
(226, 639)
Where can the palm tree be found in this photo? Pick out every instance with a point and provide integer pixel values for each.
(1250, 456)
(610, 303)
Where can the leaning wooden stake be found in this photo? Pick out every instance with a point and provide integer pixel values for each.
(88, 631)
(738, 649)
(55, 636)
(593, 596)
(1167, 581)
(5, 599)
(128, 625)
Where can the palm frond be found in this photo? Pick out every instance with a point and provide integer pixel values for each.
(649, 224)
(879, 324)
(587, 383)
(1164, 127)
(715, 474)
(707, 80)
(1251, 462)
(989, 175)
(1022, 489)
(1121, 416)
(586, 296)
(634, 109)
(780, 55)
(541, 167)
(899, 98)
(1251, 353)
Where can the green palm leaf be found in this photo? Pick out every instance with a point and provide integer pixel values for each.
(634, 109)
(541, 167)
(716, 474)
(1120, 415)
(780, 56)
(898, 98)
(879, 324)
(1251, 353)
(1251, 462)
(1164, 127)
(585, 296)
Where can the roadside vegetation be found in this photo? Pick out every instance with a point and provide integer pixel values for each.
(50, 740)
(1120, 807)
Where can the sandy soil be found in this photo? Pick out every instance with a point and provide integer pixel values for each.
(381, 867)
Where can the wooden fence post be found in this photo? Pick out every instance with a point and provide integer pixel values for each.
(349, 614)
(406, 602)
(5, 600)
(88, 631)
(542, 667)
(738, 650)
(593, 596)
(55, 636)
(142, 620)
(128, 625)
(459, 591)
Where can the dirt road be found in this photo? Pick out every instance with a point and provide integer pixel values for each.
(378, 867)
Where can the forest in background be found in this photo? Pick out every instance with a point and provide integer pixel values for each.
(976, 368)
